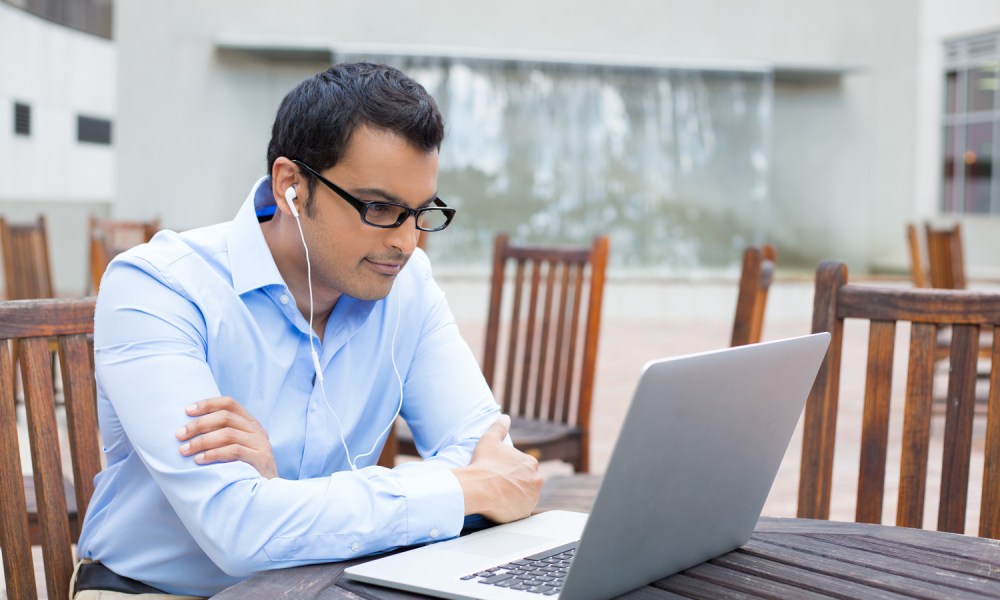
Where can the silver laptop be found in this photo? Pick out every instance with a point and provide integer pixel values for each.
(694, 462)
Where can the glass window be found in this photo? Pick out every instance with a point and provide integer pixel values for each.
(971, 123)
(978, 159)
(982, 88)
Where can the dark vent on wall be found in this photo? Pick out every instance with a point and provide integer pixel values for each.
(22, 119)
(93, 130)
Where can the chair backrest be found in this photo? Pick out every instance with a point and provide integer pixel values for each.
(918, 267)
(755, 281)
(33, 323)
(542, 330)
(110, 237)
(27, 271)
(945, 259)
(925, 310)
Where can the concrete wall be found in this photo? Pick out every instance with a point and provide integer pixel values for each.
(196, 120)
(61, 73)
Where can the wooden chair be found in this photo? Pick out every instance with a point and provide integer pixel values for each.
(926, 310)
(109, 237)
(541, 346)
(33, 323)
(755, 281)
(27, 271)
(577, 491)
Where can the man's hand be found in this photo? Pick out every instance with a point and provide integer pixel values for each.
(226, 432)
(501, 483)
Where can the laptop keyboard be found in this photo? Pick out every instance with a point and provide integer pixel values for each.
(542, 573)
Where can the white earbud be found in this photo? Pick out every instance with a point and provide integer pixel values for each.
(290, 197)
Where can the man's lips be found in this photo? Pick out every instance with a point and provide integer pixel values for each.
(391, 267)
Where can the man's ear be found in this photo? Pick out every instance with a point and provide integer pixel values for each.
(285, 174)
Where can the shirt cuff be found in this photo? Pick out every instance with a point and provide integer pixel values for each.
(435, 506)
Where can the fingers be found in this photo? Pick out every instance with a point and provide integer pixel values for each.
(219, 412)
(224, 432)
(216, 421)
(210, 405)
(217, 439)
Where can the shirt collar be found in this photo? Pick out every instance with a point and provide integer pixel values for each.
(249, 256)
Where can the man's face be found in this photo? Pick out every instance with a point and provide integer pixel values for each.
(349, 256)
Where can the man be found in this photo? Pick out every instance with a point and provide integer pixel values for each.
(295, 334)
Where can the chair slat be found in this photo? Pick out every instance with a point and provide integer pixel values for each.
(820, 416)
(918, 270)
(36, 375)
(958, 428)
(989, 517)
(598, 270)
(755, 280)
(514, 345)
(529, 365)
(916, 426)
(559, 365)
(875, 426)
(14, 544)
(944, 256)
(80, 400)
(545, 365)
(566, 399)
(496, 301)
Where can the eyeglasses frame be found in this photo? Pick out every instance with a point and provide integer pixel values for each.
(362, 207)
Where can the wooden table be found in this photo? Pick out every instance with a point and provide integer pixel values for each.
(785, 558)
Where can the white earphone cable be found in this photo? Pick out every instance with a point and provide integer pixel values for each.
(312, 346)
(319, 369)
(399, 407)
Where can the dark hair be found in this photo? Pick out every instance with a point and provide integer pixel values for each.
(316, 119)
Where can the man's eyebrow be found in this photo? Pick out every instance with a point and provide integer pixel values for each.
(369, 192)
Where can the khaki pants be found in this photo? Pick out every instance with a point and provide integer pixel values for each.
(105, 595)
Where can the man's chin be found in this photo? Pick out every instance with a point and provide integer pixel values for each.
(375, 292)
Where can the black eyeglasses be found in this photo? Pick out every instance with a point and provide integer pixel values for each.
(389, 214)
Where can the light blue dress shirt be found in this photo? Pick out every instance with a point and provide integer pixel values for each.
(206, 313)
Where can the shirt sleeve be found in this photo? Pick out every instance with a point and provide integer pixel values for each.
(151, 363)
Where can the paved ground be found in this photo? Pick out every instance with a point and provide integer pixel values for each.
(642, 322)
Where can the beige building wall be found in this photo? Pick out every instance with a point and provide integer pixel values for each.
(855, 152)
(194, 120)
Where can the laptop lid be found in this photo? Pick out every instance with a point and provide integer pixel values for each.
(694, 462)
(695, 459)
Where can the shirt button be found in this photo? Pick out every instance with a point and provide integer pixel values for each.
(355, 547)
(284, 298)
(434, 533)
